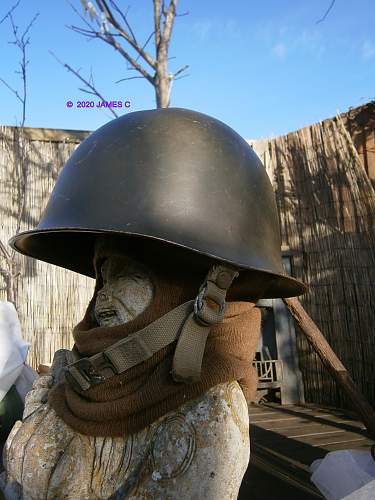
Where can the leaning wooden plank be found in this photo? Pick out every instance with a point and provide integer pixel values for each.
(332, 363)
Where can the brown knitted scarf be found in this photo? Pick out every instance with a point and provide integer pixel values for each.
(129, 402)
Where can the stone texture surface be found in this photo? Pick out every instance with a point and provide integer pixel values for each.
(126, 293)
(200, 451)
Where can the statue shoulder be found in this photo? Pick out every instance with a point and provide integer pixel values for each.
(202, 449)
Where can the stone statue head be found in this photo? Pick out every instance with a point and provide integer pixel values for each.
(127, 287)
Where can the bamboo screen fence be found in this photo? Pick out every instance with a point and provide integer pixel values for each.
(326, 205)
(49, 299)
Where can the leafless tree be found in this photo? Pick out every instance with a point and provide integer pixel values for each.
(9, 268)
(107, 22)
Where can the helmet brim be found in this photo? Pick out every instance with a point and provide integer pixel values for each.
(73, 249)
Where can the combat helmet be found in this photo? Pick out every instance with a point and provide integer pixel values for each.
(177, 177)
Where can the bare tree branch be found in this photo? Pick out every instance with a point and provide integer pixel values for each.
(21, 43)
(128, 37)
(107, 22)
(157, 23)
(84, 32)
(28, 27)
(93, 90)
(180, 77)
(168, 23)
(12, 90)
(129, 58)
(110, 40)
(327, 12)
(128, 78)
(87, 91)
(10, 272)
(79, 15)
(124, 18)
(10, 11)
(146, 43)
(181, 70)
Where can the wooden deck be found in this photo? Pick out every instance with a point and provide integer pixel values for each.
(285, 440)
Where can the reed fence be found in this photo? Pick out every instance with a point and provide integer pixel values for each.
(326, 205)
(50, 300)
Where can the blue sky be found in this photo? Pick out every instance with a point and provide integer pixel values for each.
(264, 68)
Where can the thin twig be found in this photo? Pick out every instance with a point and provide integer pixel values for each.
(86, 82)
(145, 44)
(128, 78)
(11, 89)
(128, 37)
(10, 11)
(327, 12)
(124, 18)
(181, 70)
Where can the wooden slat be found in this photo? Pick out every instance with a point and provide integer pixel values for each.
(350, 445)
(54, 135)
(282, 426)
(324, 440)
(298, 441)
(310, 429)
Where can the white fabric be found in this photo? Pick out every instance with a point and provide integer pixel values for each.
(25, 381)
(13, 349)
(345, 474)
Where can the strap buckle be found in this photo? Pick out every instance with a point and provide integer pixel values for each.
(204, 313)
(83, 373)
(214, 288)
(209, 309)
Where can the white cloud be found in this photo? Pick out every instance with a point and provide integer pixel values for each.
(205, 29)
(279, 50)
(290, 40)
(368, 50)
(202, 29)
(231, 28)
(311, 41)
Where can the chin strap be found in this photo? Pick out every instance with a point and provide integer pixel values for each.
(190, 323)
(209, 310)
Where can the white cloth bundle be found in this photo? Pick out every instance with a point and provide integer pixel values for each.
(13, 352)
(345, 475)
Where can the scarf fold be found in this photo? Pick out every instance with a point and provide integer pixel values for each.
(130, 401)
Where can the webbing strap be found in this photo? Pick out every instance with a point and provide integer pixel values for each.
(188, 356)
(128, 352)
(209, 309)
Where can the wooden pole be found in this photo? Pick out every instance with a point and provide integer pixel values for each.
(332, 363)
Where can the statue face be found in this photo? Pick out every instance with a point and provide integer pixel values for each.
(126, 293)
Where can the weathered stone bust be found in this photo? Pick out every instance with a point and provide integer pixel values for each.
(199, 450)
(153, 401)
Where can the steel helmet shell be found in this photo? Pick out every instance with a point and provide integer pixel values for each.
(174, 176)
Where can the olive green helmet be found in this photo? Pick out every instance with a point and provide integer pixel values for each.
(177, 177)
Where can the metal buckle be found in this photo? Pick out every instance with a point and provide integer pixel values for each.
(87, 371)
(201, 306)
